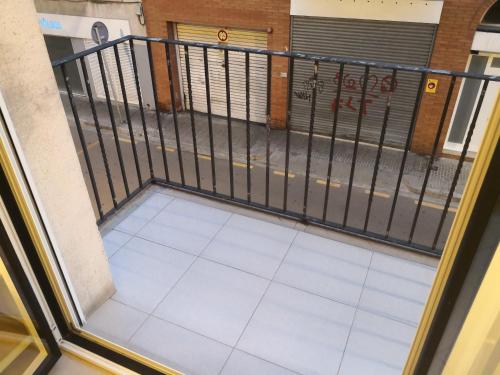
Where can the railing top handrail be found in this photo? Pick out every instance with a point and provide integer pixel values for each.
(299, 55)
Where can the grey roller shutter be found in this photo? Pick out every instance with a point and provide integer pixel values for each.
(383, 41)
(258, 69)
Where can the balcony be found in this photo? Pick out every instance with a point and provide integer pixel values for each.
(207, 288)
(241, 247)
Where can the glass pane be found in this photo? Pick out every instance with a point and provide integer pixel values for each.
(467, 100)
(495, 62)
(21, 350)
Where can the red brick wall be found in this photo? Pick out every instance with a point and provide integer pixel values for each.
(244, 14)
(459, 20)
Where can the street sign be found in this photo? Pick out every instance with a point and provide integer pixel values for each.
(431, 86)
(99, 32)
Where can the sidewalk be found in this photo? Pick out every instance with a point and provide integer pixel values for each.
(437, 189)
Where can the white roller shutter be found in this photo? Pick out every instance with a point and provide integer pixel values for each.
(258, 72)
(112, 72)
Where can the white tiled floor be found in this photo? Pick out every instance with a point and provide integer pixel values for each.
(206, 290)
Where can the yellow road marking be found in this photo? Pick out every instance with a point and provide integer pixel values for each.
(378, 194)
(89, 146)
(204, 157)
(168, 149)
(125, 140)
(282, 173)
(241, 165)
(332, 184)
(436, 206)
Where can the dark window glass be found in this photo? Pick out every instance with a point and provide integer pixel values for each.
(493, 15)
(467, 100)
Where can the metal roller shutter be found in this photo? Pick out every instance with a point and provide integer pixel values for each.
(258, 69)
(384, 41)
(112, 76)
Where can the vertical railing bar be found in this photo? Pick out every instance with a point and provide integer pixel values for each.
(99, 133)
(209, 114)
(141, 108)
(405, 153)
(127, 114)
(460, 163)
(268, 126)
(157, 110)
(229, 130)
(379, 150)
(191, 114)
(174, 112)
(287, 146)
(332, 140)
(82, 140)
(247, 124)
(356, 143)
(310, 139)
(431, 159)
(113, 123)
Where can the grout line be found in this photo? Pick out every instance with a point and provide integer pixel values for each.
(259, 302)
(355, 313)
(268, 361)
(194, 261)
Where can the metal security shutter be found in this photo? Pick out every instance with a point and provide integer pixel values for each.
(258, 69)
(384, 41)
(112, 76)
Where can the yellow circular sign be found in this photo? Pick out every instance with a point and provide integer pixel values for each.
(222, 35)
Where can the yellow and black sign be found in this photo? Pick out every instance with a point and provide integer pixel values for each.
(222, 35)
(431, 86)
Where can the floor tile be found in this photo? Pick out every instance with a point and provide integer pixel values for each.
(164, 271)
(349, 253)
(252, 251)
(241, 363)
(113, 240)
(131, 224)
(400, 267)
(213, 300)
(175, 258)
(378, 344)
(321, 271)
(198, 211)
(264, 228)
(181, 239)
(187, 223)
(137, 291)
(115, 321)
(394, 297)
(179, 348)
(298, 330)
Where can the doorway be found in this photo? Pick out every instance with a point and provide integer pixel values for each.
(466, 106)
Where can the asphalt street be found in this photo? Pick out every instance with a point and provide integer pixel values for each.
(405, 208)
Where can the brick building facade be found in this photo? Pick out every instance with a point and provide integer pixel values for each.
(272, 16)
(457, 26)
(458, 22)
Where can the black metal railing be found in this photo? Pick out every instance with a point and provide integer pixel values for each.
(118, 168)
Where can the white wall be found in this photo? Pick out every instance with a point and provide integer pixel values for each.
(42, 132)
(428, 11)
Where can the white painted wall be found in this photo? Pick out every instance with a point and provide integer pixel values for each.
(424, 11)
(486, 42)
(46, 146)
